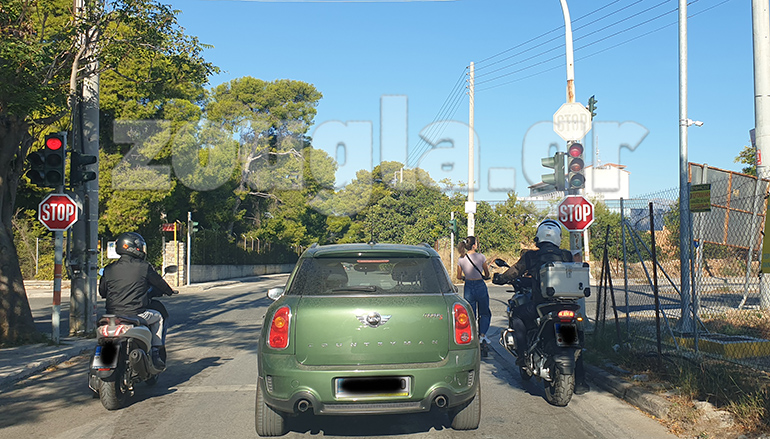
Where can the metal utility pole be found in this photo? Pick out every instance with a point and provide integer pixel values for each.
(188, 248)
(83, 259)
(471, 209)
(685, 239)
(575, 238)
(761, 37)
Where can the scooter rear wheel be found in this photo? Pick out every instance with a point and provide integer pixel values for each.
(113, 394)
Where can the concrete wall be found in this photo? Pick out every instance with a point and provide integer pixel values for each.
(205, 273)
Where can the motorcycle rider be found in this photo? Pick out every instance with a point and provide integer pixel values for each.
(126, 284)
(547, 239)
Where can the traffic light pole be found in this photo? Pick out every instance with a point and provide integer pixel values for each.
(761, 34)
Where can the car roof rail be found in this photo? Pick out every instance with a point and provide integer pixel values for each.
(313, 245)
(425, 244)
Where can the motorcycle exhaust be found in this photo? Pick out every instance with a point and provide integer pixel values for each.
(508, 340)
(139, 363)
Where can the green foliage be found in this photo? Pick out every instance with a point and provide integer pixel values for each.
(747, 156)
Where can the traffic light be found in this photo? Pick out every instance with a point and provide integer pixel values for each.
(78, 173)
(453, 225)
(192, 226)
(47, 164)
(576, 178)
(592, 106)
(557, 164)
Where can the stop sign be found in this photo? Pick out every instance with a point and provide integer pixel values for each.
(57, 212)
(575, 213)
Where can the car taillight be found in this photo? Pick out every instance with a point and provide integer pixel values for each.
(566, 315)
(463, 334)
(278, 338)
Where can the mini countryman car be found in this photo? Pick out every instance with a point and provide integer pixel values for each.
(367, 329)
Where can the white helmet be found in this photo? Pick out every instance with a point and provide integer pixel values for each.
(548, 231)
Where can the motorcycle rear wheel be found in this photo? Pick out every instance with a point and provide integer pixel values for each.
(113, 394)
(559, 391)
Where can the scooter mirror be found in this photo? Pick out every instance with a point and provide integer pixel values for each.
(501, 263)
(171, 269)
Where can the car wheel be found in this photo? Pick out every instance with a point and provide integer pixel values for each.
(268, 421)
(468, 417)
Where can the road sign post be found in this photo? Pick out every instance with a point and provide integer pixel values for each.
(57, 212)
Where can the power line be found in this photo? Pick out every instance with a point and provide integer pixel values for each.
(563, 44)
(605, 49)
(544, 34)
(558, 37)
(451, 97)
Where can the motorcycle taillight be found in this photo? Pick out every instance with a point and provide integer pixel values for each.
(114, 331)
(566, 315)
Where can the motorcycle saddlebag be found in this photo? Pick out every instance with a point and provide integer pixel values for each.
(564, 280)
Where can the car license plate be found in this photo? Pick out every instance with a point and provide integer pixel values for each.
(566, 335)
(362, 387)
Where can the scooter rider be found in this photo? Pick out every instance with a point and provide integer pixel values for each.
(548, 240)
(126, 286)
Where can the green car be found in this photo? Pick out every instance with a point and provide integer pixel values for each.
(367, 329)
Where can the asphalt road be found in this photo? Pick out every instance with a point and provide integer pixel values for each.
(208, 390)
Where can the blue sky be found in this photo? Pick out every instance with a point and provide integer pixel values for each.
(384, 67)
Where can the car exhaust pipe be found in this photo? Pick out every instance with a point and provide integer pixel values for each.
(440, 401)
(303, 405)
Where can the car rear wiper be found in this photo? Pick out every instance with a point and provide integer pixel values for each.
(368, 288)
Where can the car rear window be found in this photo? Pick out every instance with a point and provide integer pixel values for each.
(369, 275)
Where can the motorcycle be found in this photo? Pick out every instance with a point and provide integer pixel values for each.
(122, 357)
(554, 342)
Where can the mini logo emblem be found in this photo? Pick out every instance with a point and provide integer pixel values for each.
(373, 319)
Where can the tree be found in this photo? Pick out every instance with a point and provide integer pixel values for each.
(46, 51)
(748, 156)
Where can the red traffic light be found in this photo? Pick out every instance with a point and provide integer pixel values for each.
(575, 150)
(53, 142)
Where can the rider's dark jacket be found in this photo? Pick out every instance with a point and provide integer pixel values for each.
(530, 261)
(125, 284)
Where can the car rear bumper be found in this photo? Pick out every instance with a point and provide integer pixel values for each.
(290, 387)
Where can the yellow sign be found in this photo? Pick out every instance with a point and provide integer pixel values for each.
(700, 198)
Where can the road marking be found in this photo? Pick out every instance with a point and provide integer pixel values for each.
(216, 389)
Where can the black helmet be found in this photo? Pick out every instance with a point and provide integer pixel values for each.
(131, 243)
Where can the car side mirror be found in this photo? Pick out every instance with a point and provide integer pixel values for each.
(171, 269)
(275, 293)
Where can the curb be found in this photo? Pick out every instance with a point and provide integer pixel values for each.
(10, 375)
(639, 397)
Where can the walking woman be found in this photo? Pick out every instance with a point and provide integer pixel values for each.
(472, 266)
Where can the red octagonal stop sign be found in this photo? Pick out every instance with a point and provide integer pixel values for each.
(575, 213)
(58, 212)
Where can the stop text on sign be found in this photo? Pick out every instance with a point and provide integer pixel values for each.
(575, 214)
(57, 212)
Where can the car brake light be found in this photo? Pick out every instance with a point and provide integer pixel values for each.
(278, 338)
(566, 315)
(462, 323)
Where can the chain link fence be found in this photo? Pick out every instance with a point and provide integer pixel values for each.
(718, 313)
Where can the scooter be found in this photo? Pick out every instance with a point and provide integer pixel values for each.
(553, 343)
(122, 357)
